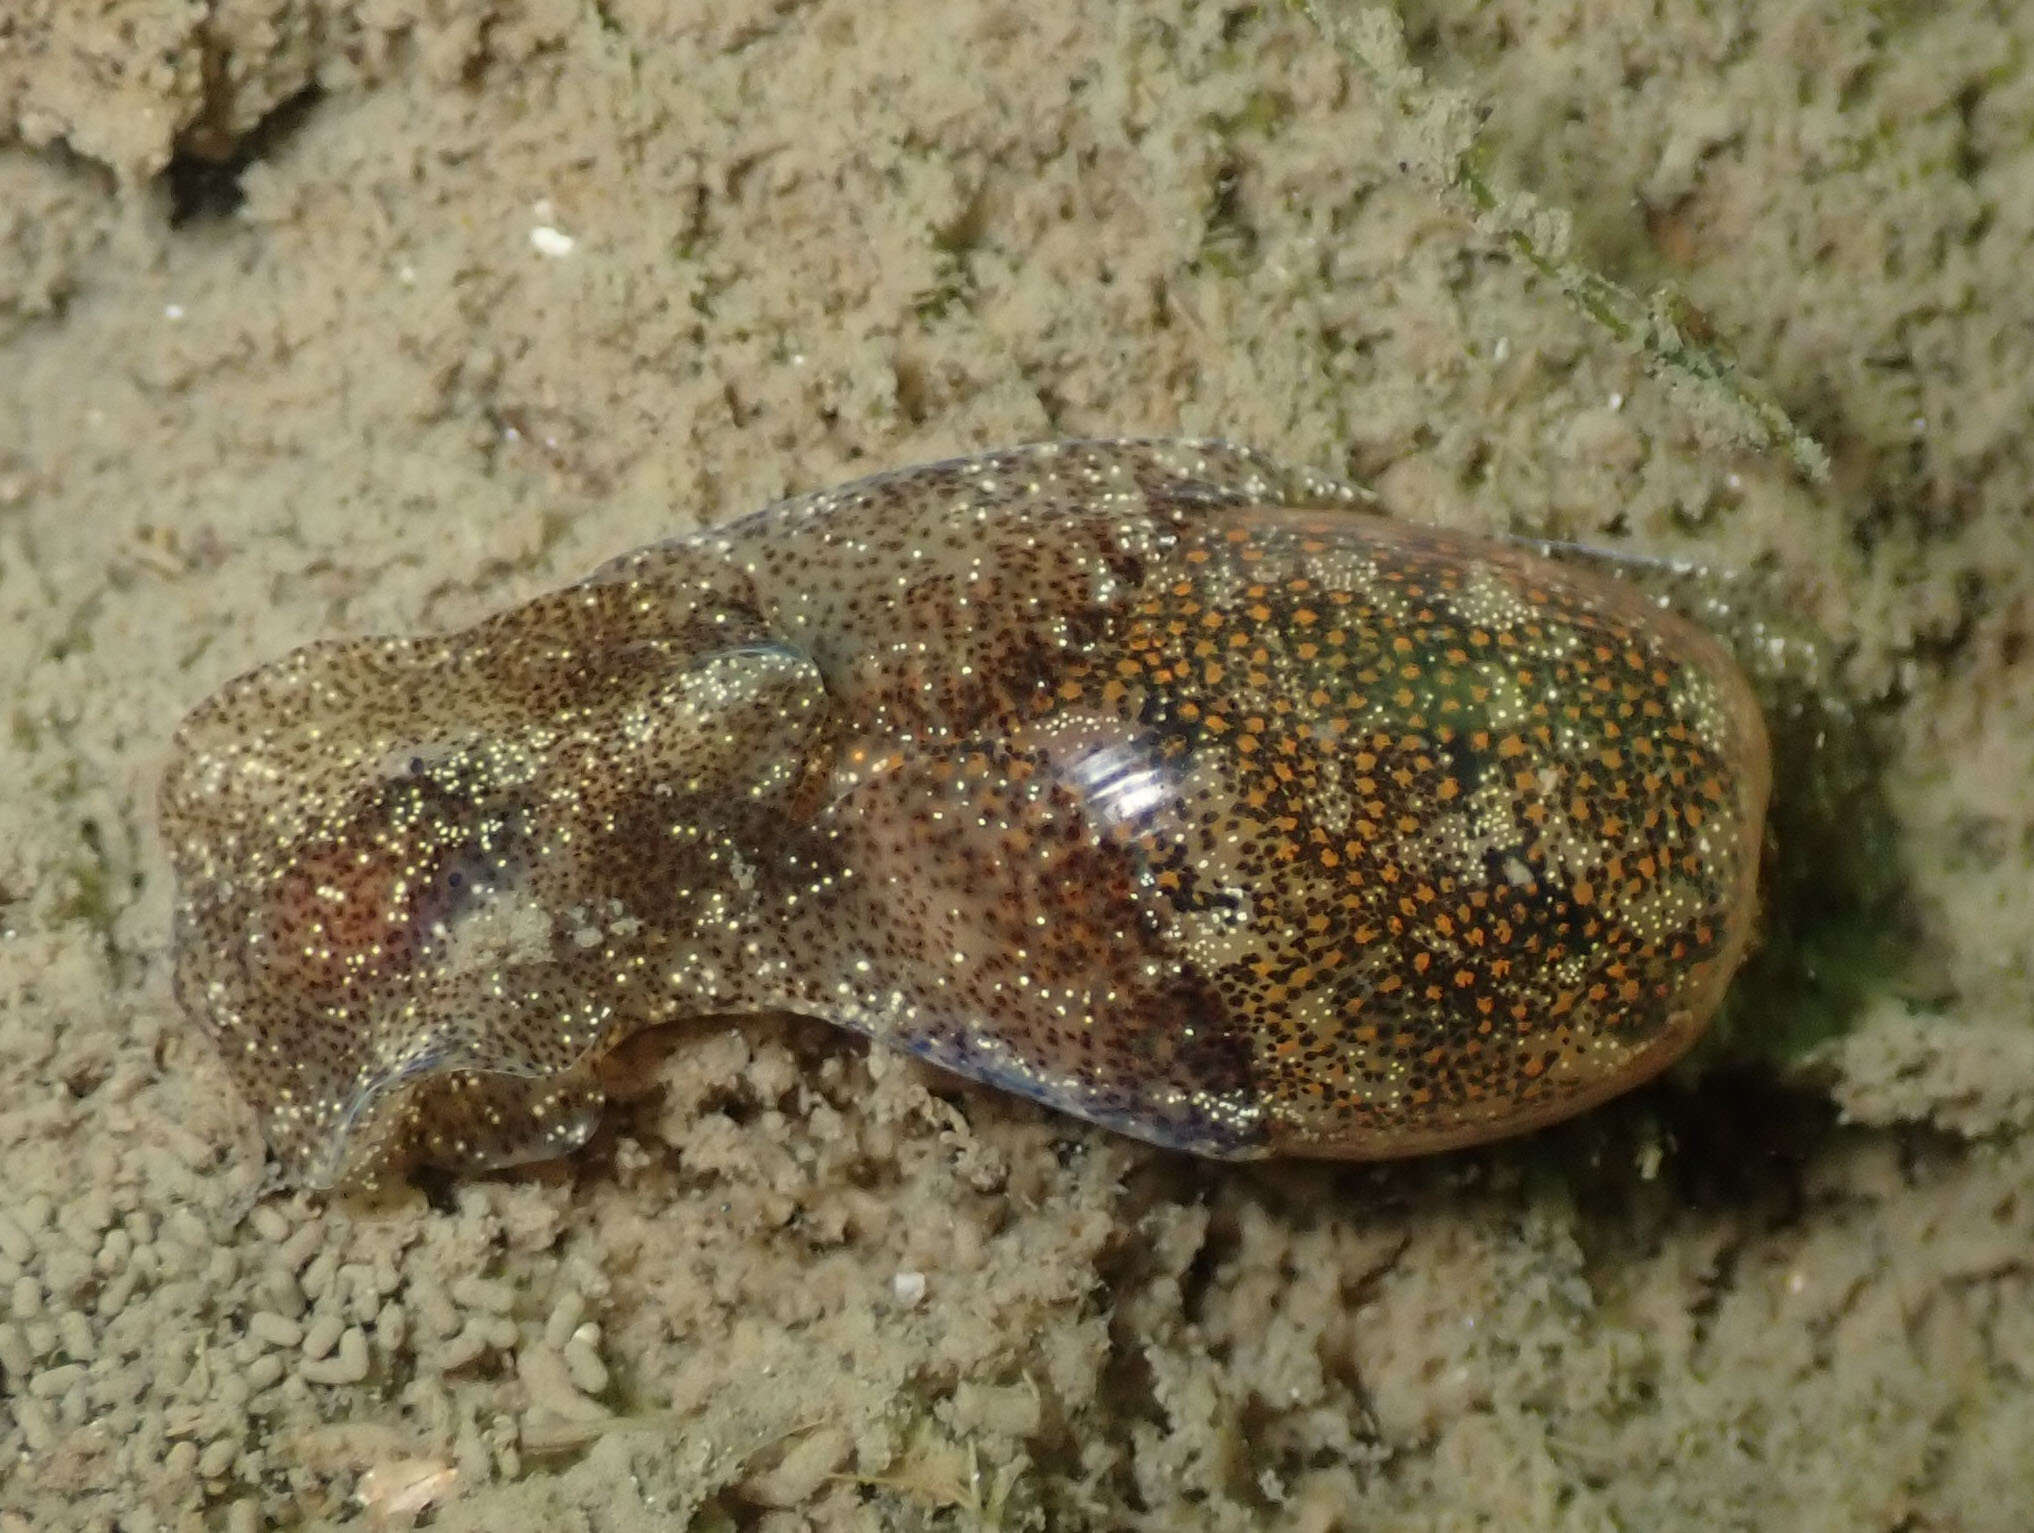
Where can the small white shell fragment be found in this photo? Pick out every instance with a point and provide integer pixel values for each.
(405, 1488)
(553, 242)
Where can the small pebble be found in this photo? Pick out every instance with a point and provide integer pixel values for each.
(548, 1378)
(318, 1278)
(41, 1336)
(74, 1332)
(583, 1364)
(15, 1242)
(436, 1312)
(281, 1292)
(484, 1293)
(302, 1246)
(322, 1335)
(186, 1229)
(348, 1364)
(55, 1383)
(269, 1223)
(38, 1432)
(85, 1218)
(276, 1330)
(114, 1296)
(15, 1358)
(67, 1273)
(565, 1317)
(463, 1349)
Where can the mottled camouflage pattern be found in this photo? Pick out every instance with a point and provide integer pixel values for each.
(1145, 779)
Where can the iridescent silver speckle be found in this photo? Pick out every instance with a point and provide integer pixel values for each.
(1146, 779)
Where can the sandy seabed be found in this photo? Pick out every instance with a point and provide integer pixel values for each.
(321, 317)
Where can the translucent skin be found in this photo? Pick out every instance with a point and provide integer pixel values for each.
(1144, 779)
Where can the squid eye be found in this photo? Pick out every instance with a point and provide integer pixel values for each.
(463, 879)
